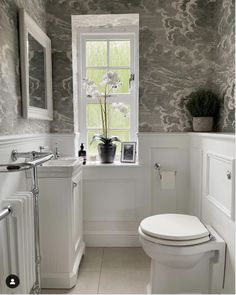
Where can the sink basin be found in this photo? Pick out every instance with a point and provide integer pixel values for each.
(63, 162)
(60, 168)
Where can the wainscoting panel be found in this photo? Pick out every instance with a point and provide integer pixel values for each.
(212, 193)
(68, 144)
(113, 198)
(170, 200)
(171, 151)
(110, 201)
(220, 183)
(12, 182)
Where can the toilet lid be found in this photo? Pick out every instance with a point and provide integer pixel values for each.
(175, 227)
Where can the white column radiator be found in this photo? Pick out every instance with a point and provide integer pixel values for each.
(17, 243)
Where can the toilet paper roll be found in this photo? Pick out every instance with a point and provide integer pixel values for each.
(168, 180)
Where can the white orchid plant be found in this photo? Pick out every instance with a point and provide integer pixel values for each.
(110, 82)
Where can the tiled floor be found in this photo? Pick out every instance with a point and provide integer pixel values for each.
(111, 271)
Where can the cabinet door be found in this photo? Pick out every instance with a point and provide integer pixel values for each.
(77, 212)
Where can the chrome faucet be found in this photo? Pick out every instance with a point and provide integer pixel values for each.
(32, 155)
(56, 152)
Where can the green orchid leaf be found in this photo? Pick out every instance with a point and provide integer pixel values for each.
(104, 139)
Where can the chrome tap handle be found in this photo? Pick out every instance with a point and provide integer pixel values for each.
(41, 148)
(16, 155)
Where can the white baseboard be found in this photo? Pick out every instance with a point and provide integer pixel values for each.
(111, 240)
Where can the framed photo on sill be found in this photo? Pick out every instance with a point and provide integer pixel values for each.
(128, 152)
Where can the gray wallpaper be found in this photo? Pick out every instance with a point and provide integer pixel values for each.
(224, 62)
(11, 121)
(184, 45)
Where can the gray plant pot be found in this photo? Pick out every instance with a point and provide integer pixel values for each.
(107, 152)
(202, 124)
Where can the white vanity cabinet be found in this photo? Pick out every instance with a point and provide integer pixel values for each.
(61, 222)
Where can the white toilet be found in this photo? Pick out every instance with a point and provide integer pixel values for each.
(187, 256)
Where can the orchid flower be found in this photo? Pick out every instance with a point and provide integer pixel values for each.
(110, 82)
(121, 107)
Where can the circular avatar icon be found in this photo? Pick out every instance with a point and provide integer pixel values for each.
(12, 281)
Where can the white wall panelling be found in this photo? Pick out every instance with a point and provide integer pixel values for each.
(10, 183)
(172, 152)
(117, 197)
(114, 198)
(220, 182)
(68, 144)
(212, 194)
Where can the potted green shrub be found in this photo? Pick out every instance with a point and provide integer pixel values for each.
(111, 81)
(203, 105)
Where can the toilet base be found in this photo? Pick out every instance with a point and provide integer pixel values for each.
(195, 269)
(194, 278)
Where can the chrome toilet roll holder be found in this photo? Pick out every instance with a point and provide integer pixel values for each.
(157, 166)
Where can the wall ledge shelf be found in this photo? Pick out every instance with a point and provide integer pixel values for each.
(116, 164)
(217, 135)
(226, 135)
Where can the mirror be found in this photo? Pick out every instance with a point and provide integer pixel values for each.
(36, 69)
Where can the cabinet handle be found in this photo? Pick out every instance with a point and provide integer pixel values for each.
(74, 184)
(228, 174)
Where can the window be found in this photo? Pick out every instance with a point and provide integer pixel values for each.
(99, 54)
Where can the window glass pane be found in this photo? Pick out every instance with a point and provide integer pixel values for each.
(96, 53)
(124, 76)
(123, 135)
(117, 119)
(96, 75)
(92, 148)
(119, 53)
(94, 116)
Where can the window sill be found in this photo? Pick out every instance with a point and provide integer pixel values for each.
(93, 164)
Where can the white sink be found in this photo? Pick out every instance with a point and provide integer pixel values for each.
(63, 162)
(62, 167)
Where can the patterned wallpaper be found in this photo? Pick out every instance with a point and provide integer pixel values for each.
(184, 45)
(224, 62)
(11, 121)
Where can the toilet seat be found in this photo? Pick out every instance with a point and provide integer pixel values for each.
(174, 230)
(172, 242)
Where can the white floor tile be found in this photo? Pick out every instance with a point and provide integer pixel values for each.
(111, 271)
(92, 259)
(54, 291)
(88, 282)
(125, 259)
(123, 282)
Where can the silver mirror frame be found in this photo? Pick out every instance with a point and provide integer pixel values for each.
(28, 25)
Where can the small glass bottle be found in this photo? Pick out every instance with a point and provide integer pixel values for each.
(82, 153)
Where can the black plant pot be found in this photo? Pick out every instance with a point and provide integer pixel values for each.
(107, 152)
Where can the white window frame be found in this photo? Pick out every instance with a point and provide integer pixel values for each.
(80, 35)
